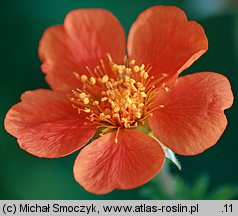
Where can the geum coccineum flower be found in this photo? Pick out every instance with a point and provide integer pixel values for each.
(136, 103)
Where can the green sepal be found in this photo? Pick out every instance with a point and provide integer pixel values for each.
(168, 152)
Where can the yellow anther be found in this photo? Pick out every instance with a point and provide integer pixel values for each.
(127, 70)
(95, 103)
(116, 109)
(82, 95)
(127, 79)
(136, 68)
(85, 100)
(87, 110)
(84, 78)
(107, 116)
(92, 80)
(122, 67)
(112, 103)
(133, 81)
(104, 99)
(142, 73)
(141, 105)
(142, 67)
(146, 75)
(137, 115)
(124, 120)
(105, 78)
(161, 105)
(143, 94)
(133, 87)
(109, 84)
(132, 62)
(116, 115)
(129, 100)
(133, 107)
(135, 95)
(114, 67)
(116, 83)
(102, 116)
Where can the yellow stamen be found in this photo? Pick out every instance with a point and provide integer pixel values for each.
(121, 98)
(82, 95)
(86, 100)
(84, 78)
(136, 68)
(105, 79)
(92, 80)
(87, 110)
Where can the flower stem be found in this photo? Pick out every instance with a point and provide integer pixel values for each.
(166, 182)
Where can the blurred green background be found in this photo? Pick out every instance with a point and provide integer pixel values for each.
(211, 175)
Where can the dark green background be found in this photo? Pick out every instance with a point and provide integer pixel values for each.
(22, 23)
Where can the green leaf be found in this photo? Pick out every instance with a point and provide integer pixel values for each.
(224, 193)
(200, 188)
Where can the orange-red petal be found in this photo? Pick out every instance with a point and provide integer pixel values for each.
(193, 118)
(46, 125)
(85, 38)
(163, 38)
(105, 165)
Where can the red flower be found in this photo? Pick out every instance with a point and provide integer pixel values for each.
(95, 87)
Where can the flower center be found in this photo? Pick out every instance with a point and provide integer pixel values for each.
(122, 99)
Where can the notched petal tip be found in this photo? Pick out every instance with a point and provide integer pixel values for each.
(86, 37)
(163, 37)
